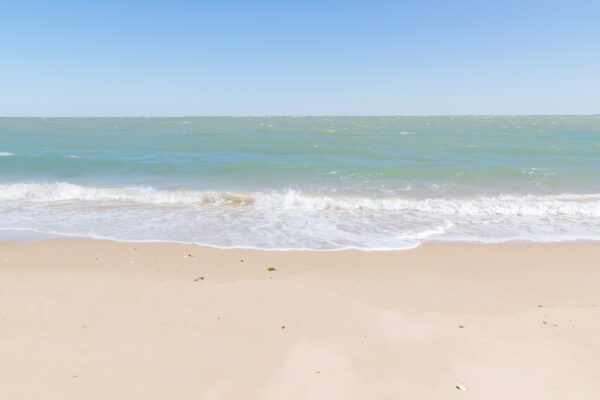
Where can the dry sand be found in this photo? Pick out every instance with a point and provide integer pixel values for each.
(84, 319)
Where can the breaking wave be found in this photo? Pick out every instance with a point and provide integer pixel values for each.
(515, 205)
(291, 219)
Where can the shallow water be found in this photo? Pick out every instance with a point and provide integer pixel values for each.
(315, 183)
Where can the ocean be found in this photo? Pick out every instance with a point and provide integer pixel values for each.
(320, 183)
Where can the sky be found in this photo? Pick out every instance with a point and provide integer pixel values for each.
(183, 58)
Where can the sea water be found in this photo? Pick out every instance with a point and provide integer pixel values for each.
(320, 183)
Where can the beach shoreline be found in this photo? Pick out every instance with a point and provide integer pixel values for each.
(303, 183)
(99, 319)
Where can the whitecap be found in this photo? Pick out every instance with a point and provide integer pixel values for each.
(6, 154)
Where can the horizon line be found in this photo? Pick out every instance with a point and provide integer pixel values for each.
(302, 116)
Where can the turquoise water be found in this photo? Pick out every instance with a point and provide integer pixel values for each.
(309, 182)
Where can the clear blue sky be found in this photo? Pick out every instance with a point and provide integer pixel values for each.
(310, 57)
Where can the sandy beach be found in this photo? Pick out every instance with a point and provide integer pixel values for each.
(87, 319)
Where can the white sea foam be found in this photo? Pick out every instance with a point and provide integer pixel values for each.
(510, 205)
(293, 219)
(62, 191)
(6, 154)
